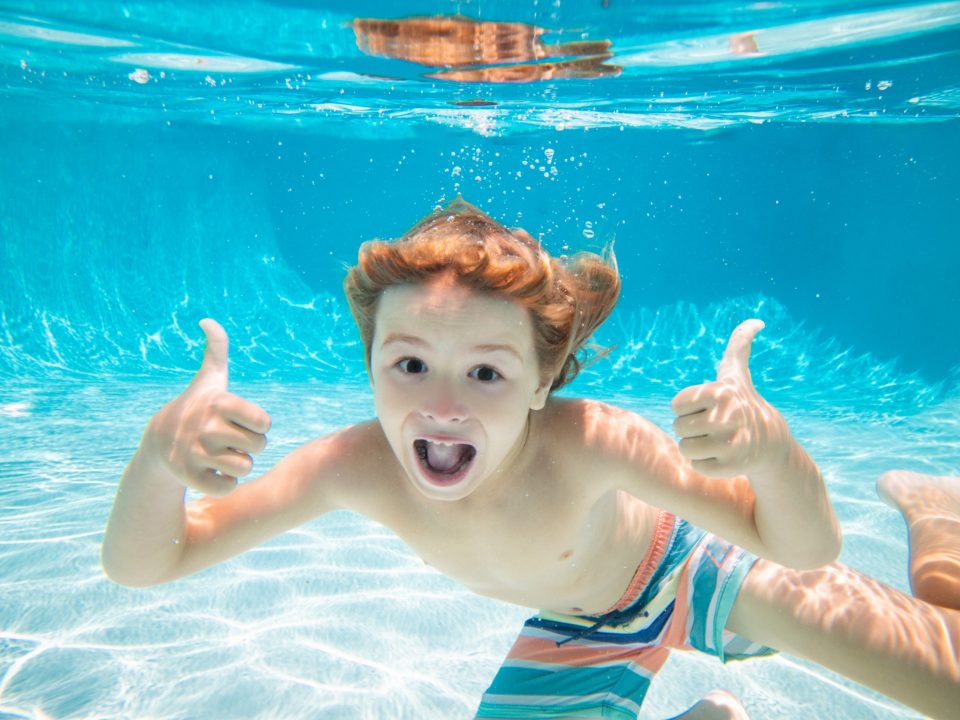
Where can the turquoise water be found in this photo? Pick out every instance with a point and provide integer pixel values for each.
(163, 162)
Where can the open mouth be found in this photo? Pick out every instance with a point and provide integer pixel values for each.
(444, 462)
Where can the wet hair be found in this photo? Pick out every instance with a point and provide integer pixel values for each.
(568, 298)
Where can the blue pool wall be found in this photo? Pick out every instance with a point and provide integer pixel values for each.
(118, 237)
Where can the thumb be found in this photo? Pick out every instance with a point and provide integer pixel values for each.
(736, 358)
(214, 365)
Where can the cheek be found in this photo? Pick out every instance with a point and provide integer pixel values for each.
(387, 398)
(493, 403)
(505, 413)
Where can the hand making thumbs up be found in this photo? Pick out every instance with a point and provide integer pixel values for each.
(725, 427)
(206, 437)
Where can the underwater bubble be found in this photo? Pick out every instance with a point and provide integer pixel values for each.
(140, 76)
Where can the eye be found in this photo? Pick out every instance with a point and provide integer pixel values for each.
(485, 373)
(412, 366)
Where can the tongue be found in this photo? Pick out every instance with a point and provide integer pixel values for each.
(443, 458)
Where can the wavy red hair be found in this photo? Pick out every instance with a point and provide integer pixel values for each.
(568, 299)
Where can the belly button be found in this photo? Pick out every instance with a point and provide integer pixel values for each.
(577, 610)
(565, 555)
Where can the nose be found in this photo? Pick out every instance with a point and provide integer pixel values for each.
(440, 404)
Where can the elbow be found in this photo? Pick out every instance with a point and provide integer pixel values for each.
(832, 545)
(832, 551)
(812, 556)
(127, 574)
(128, 581)
(124, 577)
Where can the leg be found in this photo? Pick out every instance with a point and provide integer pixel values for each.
(715, 705)
(931, 508)
(900, 646)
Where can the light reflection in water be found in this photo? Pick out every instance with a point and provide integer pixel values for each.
(495, 52)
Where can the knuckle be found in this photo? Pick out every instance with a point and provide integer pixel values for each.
(216, 403)
(206, 444)
(244, 465)
(727, 386)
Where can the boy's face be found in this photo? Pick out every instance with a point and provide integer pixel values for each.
(454, 375)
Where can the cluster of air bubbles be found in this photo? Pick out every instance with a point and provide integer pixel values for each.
(403, 158)
(484, 168)
(546, 163)
(483, 175)
(471, 163)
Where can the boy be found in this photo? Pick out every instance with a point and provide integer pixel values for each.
(568, 505)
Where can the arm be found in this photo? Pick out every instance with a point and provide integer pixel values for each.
(896, 644)
(154, 537)
(204, 440)
(737, 471)
(727, 429)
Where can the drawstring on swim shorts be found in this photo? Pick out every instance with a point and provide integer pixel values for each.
(614, 617)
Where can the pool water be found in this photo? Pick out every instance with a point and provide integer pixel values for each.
(164, 162)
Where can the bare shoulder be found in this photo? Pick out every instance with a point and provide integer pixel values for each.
(339, 471)
(347, 469)
(601, 441)
(591, 424)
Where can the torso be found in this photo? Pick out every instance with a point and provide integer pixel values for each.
(550, 536)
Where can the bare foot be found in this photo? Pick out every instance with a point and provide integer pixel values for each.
(930, 505)
(716, 705)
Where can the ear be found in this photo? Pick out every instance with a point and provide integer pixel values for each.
(540, 395)
(368, 360)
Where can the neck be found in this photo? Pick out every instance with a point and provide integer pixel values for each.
(504, 482)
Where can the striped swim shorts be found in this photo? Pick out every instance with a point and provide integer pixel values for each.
(601, 667)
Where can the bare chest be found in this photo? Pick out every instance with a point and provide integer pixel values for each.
(569, 555)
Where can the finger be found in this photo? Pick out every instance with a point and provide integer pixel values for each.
(231, 463)
(236, 438)
(245, 414)
(736, 358)
(699, 424)
(694, 399)
(212, 483)
(689, 426)
(215, 353)
(713, 467)
(698, 448)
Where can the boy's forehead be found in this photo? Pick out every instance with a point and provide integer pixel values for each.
(449, 301)
(442, 296)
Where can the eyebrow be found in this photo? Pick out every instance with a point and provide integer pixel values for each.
(420, 342)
